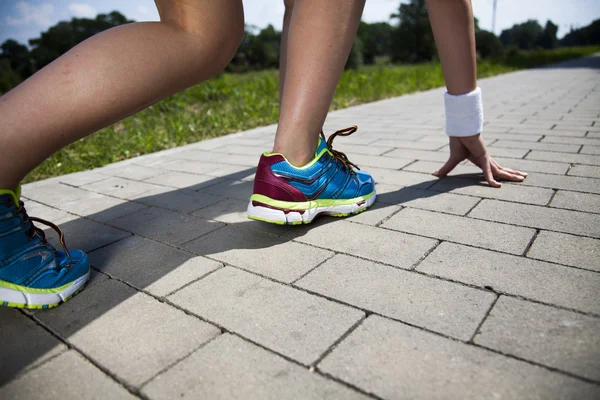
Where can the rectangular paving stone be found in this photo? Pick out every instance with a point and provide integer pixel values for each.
(590, 150)
(566, 249)
(507, 152)
(166, 226)
(585, 170)
(241, 190)
(375, 214)
(571, 140)
(283, 319)
(402, 178)
(86, 235)
(509, 192)
(546, 132)
(562, 148)
(193, 167)
(358, 149)
(425, 199)
(380, 162)
(441, 306)
(35, 209)
(556, 338)
(30, 344)
(82, 178)
(510, 239)
(576, 201)
(530, 166)
(375, 244)
(264, 254)
(567, 221)
(183, 201)
(146, 264)
(54, 194)
(126, 189)
(518, 276)
(576, 183)
(564, 157)
(133, 172)
(133, 346)
(407, 144)
(513, 137)
(231, 368)
(67, 376)
(418, 155)
(396, 361)
(184, 180)
(101, 208)
(429, 167)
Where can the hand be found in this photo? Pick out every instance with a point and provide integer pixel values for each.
(473, 148)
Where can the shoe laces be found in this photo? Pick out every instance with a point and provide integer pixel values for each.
(338, 155)
(33, 230)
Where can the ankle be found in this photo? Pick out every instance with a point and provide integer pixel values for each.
(297, 154)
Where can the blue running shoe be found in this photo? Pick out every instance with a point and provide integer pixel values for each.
(329, 184)
(32, 273)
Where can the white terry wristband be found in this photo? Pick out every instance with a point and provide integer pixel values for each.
(464, 113)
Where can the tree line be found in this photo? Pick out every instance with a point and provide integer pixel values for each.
(408, 39)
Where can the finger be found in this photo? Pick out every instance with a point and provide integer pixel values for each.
(507, 176)
(512, 171)
(449, 166)
(487, 173)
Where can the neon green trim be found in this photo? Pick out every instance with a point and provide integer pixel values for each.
(25, 289)
(307, 205)
(15, 194)
(310, 164)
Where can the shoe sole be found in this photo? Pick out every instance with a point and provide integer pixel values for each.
(29, 299)
(265, 209)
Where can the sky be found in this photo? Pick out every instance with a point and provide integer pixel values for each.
(25, 19)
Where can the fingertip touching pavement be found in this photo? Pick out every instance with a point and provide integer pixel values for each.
(446, 288)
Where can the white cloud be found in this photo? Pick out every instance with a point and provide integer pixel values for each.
(142, 9)
(28, 14)
(83, 10)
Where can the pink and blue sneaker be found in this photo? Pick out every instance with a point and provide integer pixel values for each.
(32, 273)
(329, 184)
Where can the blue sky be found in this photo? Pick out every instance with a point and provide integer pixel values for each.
(25, 19)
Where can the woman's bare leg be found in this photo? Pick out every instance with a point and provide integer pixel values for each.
(316, 47)
(114, 74)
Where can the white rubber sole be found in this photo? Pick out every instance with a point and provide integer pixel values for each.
(290, 217)
(18, 299)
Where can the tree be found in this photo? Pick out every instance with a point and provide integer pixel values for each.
(588, 35)
(488, 45)
(355, 58)
(547, 39)
(524, 36)
(413, 38)
(18, 57)
(376, 40)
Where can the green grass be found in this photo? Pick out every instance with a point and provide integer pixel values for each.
(236, 102)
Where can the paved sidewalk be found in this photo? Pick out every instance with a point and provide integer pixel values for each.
(445, 289)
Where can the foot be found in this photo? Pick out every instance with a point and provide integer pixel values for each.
(329, 184)
(32, 273)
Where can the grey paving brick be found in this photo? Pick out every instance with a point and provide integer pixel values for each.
(576, 183)
(407, 144)
(193, 167)
(86, 235)
(514, 137)
(82, 178)
(155, 267)
(510, 239)
(351, 149)
(133, 346)
(183, 201)
(184, 180)
(418, 155)
(536, 280)
(125, 189)
(231, 368)
(429, 167)
(567, 221)
(425, 199)
(35, 209)
(233, 172)
(27, 345)
(585, 170)
(375, 214)
(166, 226)
(564, 157)
(286, 320)
(506, 152)
(517, 193)
(396, 361)
(566, 249)
(441, 306)
(571, 140)
(241, 190)
(265, 254)
(402, 178)
(101, 208)
(590, 150)
(533, 166)
(562, 148)
(557, 338)
(553, 132)
(245, 149)
(576, 201)
(394, 248)
(50, 382)
(380, 162)
(53, 194)
(134, 172)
